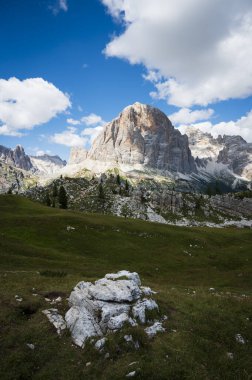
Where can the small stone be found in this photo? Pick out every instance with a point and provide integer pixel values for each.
(128, 338)
(132, 363)
(151, 331)
(100, 344)
(31, 346)
(107, 356)
(88, 364)
(59, 299)
(131, 374)
(230, 355)
(240, 339)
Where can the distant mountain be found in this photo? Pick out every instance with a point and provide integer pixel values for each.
(230, 151)
(47, 165)
(141, 144)
(15, 157)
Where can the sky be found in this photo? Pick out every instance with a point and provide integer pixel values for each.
(69, 66)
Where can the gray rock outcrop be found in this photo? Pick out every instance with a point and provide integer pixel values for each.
(106, 306)
(143, 135)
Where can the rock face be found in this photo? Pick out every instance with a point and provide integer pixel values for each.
(143, 135)
(15, 157)
(232, 151)
(237, 154)
(106, 306)
(46, 164)
(203, 145)
(77, 155)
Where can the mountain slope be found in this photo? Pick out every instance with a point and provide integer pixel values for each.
(47, 165)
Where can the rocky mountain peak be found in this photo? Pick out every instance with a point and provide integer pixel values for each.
(15, 157)
(143, 135)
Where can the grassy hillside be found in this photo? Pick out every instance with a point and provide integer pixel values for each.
(38, 255)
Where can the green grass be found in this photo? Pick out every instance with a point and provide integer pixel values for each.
(37, 251)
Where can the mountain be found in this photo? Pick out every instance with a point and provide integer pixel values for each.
(143, 135)
(232, 152)
(77, 155)
(47, 165)
(142, 145)
(15, 157)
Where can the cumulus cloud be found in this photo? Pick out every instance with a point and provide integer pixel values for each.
(240, 127)
(70, 137)
(197, 52)
(92, 119)
(92, 133)
(73, 121)
(28, 103)
(187, 116)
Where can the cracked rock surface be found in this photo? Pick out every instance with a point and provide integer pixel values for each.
(107, 305)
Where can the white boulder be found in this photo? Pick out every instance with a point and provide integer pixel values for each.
(56, 319)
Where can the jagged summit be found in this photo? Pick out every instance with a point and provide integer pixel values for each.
(143, 135)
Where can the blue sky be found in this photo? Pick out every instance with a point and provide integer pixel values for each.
(97, 57)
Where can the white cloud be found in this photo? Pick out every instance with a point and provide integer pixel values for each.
(60, 5)
(92, 119)
(202, 49)
(73, 121)
(240, 127)
(187, 116)
(63, 5)
(28, 103)
(69, 137)
(92, 133)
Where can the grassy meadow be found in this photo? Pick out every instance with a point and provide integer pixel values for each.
(39, 256)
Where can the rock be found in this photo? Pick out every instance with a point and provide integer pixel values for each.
(147, 291)
(115, 291)
(124, 273)
(107, 355)
(56, 319)
(240, 339)
(82, 324)
(99, 345)
(116, 323)
(77, 155)
(230, 355)
(70, 228)
(131, 374)
(88, 364)
(31, 346)
(128, 338)
(140, 308)
(106, 305)
(151, 331)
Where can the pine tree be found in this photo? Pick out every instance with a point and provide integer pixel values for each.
(101, 194)
(62, 197)
(47, 199)
(118, 179)
(55, 190)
